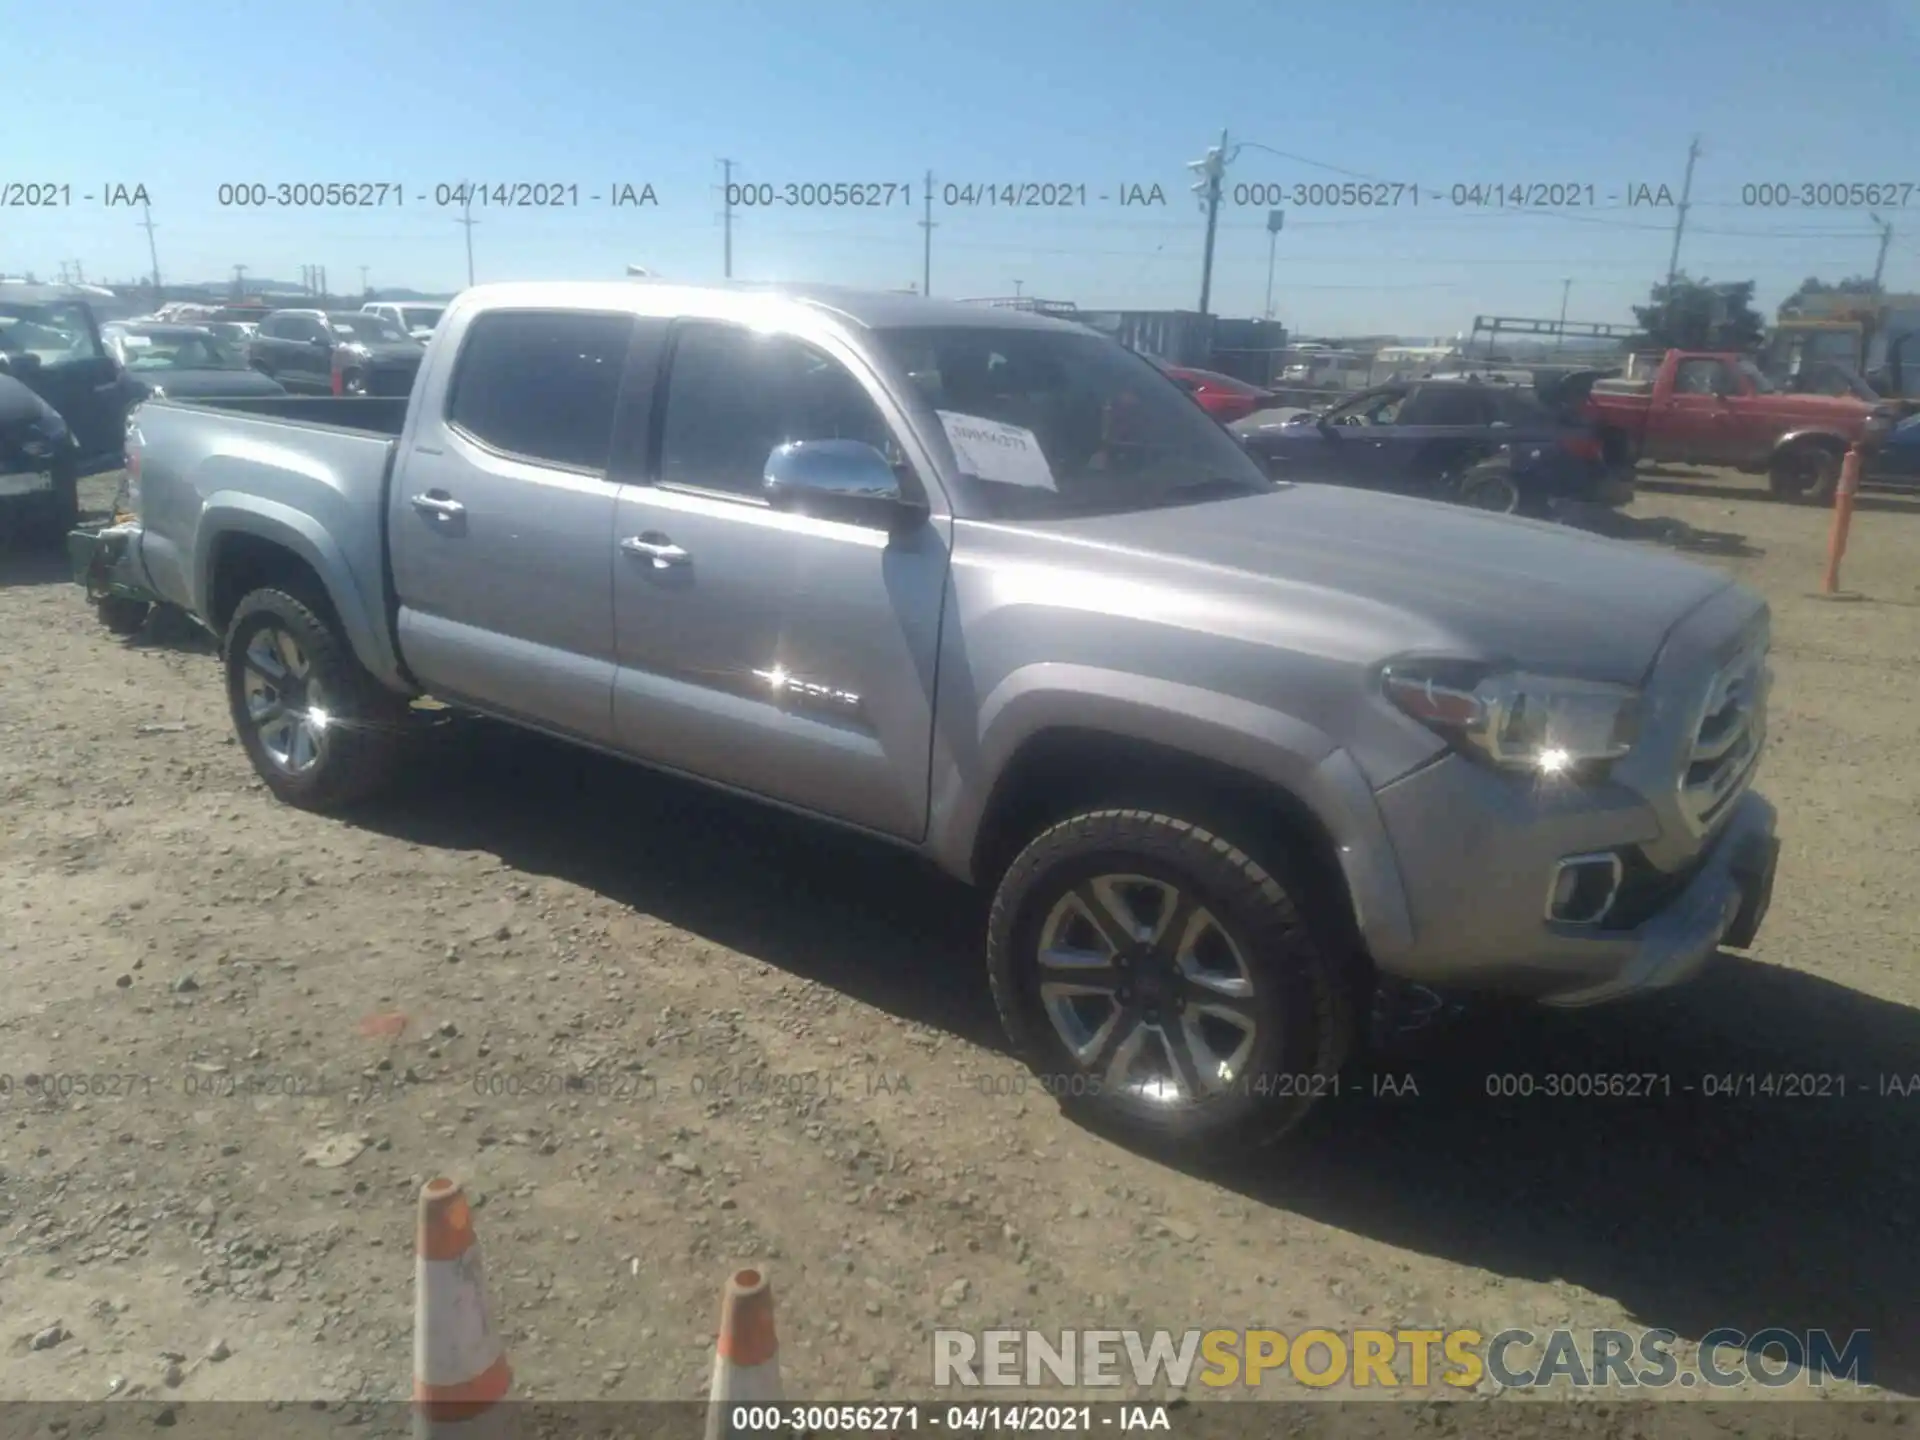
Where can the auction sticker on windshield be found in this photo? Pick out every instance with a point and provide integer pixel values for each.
(1005, 454)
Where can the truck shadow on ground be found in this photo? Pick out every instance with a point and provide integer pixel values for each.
(1702, 1203)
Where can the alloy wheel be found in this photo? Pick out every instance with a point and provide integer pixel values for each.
(1147, 990)
(286, 703)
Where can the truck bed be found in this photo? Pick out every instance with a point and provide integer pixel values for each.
(383, 415)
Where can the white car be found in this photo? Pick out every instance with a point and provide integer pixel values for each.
(417, 320)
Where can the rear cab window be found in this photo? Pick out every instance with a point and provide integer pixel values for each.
(541, 385)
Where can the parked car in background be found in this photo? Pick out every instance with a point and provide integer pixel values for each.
(39, 498)
(50, 342)
(184, 360)
(976, 583)
(1896, 460)
(323, 352)
(1222, 396)
(1715, 408)
(417, 320)
(1524, 445)
(234, 332)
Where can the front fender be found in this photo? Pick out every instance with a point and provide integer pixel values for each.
(230, 513)
(1265, 743)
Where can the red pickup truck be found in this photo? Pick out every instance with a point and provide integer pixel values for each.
(1701, 408)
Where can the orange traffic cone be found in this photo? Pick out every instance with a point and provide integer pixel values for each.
(746, 1361)
(460, 1371)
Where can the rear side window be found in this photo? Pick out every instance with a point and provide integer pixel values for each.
(542, 385)
(1447, 405)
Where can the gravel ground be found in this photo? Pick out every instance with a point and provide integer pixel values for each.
(659, 1033)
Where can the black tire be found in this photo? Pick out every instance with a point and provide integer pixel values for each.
(356, 752)
(1302, 1002)
(120, 615)
(1806, 474)
(1491, 488)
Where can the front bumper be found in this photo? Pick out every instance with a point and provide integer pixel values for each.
(1477, 891)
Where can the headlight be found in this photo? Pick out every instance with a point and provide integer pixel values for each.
(1548, 724)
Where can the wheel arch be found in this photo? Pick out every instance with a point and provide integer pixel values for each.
(1059, 739)
(254, 543)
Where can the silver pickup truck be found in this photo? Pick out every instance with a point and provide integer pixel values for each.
(1228, 752)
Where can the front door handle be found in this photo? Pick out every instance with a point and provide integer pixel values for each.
(655, 547)
(438, 506)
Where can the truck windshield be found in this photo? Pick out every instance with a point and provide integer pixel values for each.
(1048, 424)
(176, 350)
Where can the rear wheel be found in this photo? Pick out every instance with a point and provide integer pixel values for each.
(1491, 488)
(321, 732)
(1163, 983)
(1807, 474)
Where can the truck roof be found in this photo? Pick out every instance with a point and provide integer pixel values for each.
(871, 309)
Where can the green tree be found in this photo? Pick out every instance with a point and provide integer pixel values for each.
(1699, 315)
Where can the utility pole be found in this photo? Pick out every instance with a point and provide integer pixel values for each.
(926, 249)
(1560, 335)
(1275, 220)
(239, 282)
(1016, 288)
(79, 275)
(1212, 169)
(365, 289)
(1880, 262)
(726, 214)
(1680, 219)
(153, 253)
(324, 292)
(466, 219)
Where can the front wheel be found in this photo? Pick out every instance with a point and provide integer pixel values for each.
(1490, 488)
(321, 732)
(1162, 982)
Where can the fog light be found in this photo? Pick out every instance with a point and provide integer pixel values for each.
(1584, 888)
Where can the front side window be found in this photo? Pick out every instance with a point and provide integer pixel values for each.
(1058, 422)
(1698, 377)
(734, 396)
(1460, 405)
(542, 385)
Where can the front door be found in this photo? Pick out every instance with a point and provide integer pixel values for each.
(1698, 428)
(502, 522)
(787, 656)
(76, 376)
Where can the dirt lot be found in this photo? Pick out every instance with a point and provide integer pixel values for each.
(782, 1049)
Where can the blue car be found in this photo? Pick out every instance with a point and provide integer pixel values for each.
(1504, 446)
(1897, 461)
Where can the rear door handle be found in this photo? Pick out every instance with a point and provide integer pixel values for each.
(655, 547)
(438, 506)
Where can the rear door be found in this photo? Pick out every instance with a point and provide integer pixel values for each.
(502, 520)
(785, 655)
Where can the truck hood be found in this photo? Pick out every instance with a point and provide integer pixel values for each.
(1484, 586)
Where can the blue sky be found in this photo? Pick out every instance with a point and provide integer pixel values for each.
(187, 95)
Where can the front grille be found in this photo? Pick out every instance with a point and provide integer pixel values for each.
(1729, 737)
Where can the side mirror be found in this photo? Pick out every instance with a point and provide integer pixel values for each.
(836, 479)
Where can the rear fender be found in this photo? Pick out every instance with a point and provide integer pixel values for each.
(1831, 439)
(230, 514)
